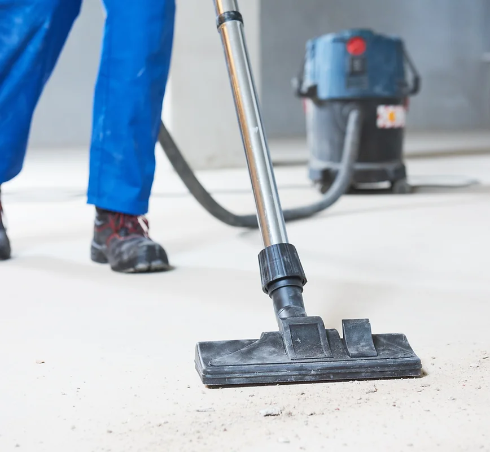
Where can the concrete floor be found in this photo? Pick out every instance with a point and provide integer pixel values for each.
(96, 361)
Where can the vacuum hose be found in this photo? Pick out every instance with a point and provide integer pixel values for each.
(337, 189)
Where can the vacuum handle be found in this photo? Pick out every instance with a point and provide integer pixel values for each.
(269, 212)
(416, 80)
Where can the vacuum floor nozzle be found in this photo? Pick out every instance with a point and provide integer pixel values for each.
(304, 351)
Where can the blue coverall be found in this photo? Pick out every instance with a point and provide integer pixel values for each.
(128, 96)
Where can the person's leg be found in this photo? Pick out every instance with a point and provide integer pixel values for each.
(32, 34)
(127, 111)
(128, 103)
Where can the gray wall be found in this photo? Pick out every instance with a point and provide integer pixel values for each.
(446, 39)
(199, 106)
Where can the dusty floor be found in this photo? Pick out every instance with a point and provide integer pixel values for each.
(95, 361)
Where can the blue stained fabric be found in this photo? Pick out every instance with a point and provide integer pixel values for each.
(128, 98)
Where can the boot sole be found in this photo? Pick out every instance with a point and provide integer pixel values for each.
(5, 251)
(141, 264)
(97, 255)
(154, 266)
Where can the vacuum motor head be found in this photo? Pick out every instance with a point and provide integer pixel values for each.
(355, 64)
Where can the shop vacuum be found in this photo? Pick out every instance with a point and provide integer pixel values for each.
(349, 70)
(303, 350)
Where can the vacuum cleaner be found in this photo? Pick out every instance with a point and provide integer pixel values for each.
(357, 67)
(303, 350)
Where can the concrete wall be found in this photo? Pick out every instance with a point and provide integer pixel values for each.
(200, 105)
(446, 39)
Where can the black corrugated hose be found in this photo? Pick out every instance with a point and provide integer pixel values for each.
(337, 189)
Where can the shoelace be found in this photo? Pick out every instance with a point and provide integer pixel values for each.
(132, 224)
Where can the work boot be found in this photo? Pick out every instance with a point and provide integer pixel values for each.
(4, 240)
(122, 241)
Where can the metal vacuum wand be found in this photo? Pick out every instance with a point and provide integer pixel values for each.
(269, 211)
(282, 275)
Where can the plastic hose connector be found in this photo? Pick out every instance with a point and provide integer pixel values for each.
(280, 263)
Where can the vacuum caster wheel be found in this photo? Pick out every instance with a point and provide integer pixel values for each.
(323, 188)
(401, 187)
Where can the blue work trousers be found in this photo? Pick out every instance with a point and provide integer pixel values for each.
(129, 93)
